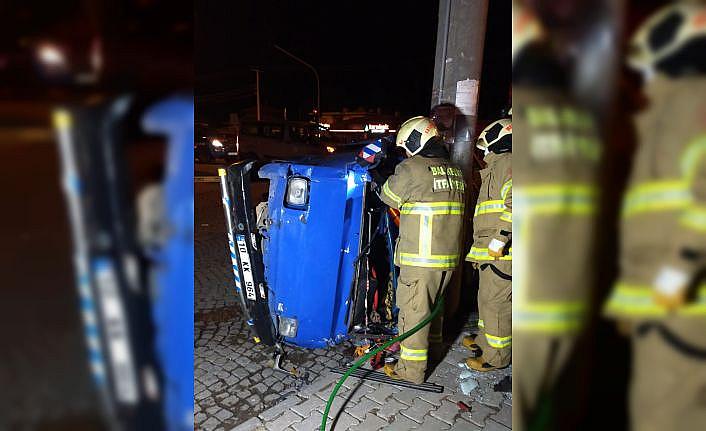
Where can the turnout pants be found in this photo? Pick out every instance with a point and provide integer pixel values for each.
(495, 314)
(539, 361)
(417, 290)
(668, 385)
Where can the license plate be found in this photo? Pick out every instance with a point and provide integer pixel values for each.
(246, 267)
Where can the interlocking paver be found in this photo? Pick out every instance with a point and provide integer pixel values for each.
(447, 412)
(406, 396)
(363, 408)
(313, 422)
(463, 425)
(381, 394)
(504, 416)
(308, 406)
(417, 410)
(390, 408)
(344, 421)
(433, 424)
(280, 408)
(402, 423)
(479, 413)
(491, 425)
(356, 393)
(371, 423)
(287, 419)
(433, 398)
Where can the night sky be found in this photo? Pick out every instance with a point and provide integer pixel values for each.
(368, 54)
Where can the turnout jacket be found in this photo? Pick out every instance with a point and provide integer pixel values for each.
(492, 217)
(664, 206)
(429, 193)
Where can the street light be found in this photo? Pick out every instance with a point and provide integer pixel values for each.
(316, 75)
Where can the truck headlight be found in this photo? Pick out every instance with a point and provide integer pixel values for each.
(216, 143)
(297, 192)
(288, 326)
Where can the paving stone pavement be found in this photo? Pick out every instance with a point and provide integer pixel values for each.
(235, 388)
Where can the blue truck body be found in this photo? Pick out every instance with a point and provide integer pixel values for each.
(309, 252)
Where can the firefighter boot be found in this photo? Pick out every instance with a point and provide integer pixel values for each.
(396, 372)
(479, 364)
(469, 342)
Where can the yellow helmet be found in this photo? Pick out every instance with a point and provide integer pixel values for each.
(665, 33)
(497, 132)
(415, 133)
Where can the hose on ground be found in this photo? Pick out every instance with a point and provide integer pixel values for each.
(438, 305)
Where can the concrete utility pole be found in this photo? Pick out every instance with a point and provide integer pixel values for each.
(459, 61)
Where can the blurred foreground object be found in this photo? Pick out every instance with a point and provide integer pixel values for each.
(557, 154)
(660, 295)
(136, 296)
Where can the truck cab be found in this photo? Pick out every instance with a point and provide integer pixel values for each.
(312, 260)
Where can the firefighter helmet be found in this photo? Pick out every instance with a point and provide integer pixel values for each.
(415, 133)
(665, 33)
(497, 133)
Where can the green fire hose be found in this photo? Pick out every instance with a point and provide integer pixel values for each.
(439, 303)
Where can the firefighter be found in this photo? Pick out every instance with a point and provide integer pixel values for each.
(428, 190)
(659, 298)
(491, 252)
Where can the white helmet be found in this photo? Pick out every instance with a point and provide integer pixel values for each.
(498, 132)
(665, 33)
(415, 133)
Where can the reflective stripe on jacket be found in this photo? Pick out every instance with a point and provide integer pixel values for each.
(429, 193)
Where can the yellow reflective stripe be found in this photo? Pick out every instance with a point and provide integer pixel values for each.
(656, 196)
(431, 261)
(436, 208)
(506, 188)
(413, 354)
(481, 323)
(558, 198)
(695, 218)
(481, 253)
(549, 316)
(426, 223)
(498, 342)
(490, 207)
(693, 156)
(638, 301)
(390, 194)
(549, 116)
(506, 216)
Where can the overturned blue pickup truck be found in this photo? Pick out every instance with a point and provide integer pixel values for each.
(312, 261)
